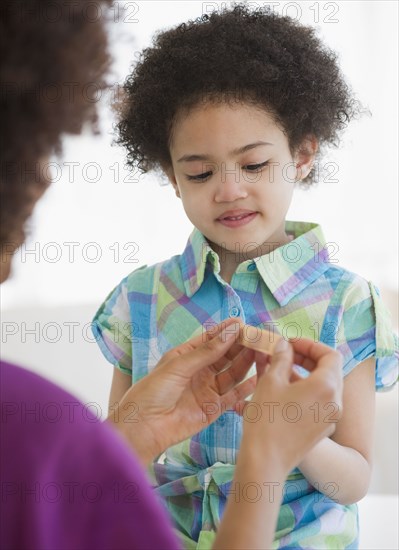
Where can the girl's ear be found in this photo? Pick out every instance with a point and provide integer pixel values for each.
(305, 156)
(171, 177)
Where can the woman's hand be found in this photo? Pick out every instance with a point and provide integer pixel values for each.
(282, 425)
(293, 413)
(191, 386)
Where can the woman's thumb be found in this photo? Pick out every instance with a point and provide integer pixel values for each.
(282, 356)
(281, 345)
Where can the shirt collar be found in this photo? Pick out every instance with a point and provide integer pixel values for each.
(286, 271)
(194, 259)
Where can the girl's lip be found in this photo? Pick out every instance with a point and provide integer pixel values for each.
(237, 220)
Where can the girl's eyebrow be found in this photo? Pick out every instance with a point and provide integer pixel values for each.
(243, 149)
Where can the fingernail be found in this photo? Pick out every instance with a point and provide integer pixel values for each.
(282, 345)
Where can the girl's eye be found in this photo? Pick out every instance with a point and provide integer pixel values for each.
(255, 167)
(200, 177)
(249, 167)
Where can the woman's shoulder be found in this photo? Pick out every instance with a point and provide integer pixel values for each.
(54, 432)
(19, 383)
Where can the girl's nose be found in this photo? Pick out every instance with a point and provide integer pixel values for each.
(231, 185)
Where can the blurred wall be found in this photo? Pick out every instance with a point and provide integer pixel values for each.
(98, 222)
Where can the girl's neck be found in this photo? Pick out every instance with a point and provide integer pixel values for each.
(230, 259)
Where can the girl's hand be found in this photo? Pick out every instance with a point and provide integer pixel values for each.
(291, 411)
(191, 386)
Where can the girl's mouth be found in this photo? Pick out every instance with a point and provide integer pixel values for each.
(236, 219)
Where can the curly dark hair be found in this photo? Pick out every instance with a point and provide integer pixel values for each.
(253, 56)
(54, 62)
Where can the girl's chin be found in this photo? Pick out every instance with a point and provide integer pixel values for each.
(244, 250)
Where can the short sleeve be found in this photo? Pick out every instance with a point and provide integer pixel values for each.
(113, 330)
(365, 330)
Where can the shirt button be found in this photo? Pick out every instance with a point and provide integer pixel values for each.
(234, 312)
(251, 267)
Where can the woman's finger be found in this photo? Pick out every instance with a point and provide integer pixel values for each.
(295, 377)
(309, 352)
(282, 359)
(196, 342)
(303, 361)
(240, 406)
(235, 348)
(262, 361)
(236, 372)
(210, 353)
(237, 394)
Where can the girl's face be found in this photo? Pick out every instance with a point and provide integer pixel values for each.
(232, 169)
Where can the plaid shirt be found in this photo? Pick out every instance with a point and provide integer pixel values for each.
(296, 290)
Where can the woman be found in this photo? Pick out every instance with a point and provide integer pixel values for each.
(69, 481)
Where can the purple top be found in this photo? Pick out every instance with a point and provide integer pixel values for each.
(68, 480)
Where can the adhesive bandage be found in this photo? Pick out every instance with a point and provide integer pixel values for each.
(258, 339)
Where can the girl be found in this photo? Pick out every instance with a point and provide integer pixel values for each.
(234, 109)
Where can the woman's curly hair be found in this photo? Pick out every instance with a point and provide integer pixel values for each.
(236, 54)
(54, 63)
